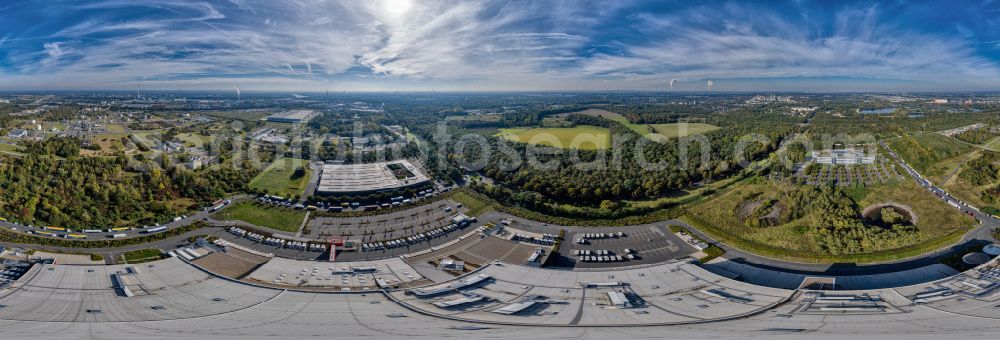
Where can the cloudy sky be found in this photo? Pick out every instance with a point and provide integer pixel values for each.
(388, 45)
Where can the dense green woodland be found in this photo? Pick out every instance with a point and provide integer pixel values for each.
(59, 146)
(541, 189)
(985, 171)
(890, 126)
(101, 192)
(977, 136)
(833, 220)
(921, 151)
(658, 114)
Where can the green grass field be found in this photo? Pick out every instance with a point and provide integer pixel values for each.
(141, 255)
(10, 149)
(116, 128)
(194, 139)
(277, 179)
(579, 137)
(264, 216)
(240, 115)
(654, 132)
(554, 122)
(994, 144)
(943, 159)
(939, 225)
(924, 151)
(966, 191)
(685, 196)
(682, 130)
(475, 205)
(481, 118)
(962, 188)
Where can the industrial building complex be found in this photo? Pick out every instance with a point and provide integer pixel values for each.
(294, 117)
(355, 179)
(848, 156)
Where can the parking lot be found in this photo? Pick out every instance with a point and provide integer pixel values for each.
(385, 227)
(647, 243)
(354, 255)
(848, 175)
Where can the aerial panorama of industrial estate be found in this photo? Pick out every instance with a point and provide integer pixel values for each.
(499, 170)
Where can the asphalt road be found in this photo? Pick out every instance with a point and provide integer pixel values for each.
(982, 234)
(317, 169)
(988, 223)
(201, 215)
(110, 254)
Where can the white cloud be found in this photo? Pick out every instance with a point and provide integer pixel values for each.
(53, 50)
(858, 47)
(467, 44)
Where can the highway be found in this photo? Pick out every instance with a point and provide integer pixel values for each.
(111, 254)
(982, 233)
(987, 222)
(182, 221)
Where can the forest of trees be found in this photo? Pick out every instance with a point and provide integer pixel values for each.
(569, 183)
(596, 192)
(977, 136)
(838, 228)
(59, 146)
(101, 192)
(341, 125)
(658, 114)
(831, 217)
(983, 170)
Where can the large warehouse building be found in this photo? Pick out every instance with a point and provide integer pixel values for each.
(844, 156)
(294, 117)
(356, 179)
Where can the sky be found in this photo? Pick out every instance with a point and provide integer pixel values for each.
(423, 45)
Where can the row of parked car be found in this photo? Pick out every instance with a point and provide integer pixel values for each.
(340, 207)
(546, 240)
(586, 255)
(276, 241)
(582, 238)
(405, 241)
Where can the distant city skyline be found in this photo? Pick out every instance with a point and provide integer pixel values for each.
(415, 45)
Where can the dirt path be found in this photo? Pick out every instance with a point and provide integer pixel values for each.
(951, 175)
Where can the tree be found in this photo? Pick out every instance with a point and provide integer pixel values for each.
(890, 217)
(608, 205)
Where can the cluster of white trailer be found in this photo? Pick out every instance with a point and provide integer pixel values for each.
(278, 241)
(543, 239)
(408, 240)
(601, 255)
(187, 253)
(582, 238)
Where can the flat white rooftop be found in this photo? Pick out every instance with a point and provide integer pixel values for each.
(175, 300)
(372, 177)
(293, 116)
(361, 275)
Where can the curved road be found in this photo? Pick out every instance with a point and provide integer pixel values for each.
(110, 254)
(982, 233)
(200, 215)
